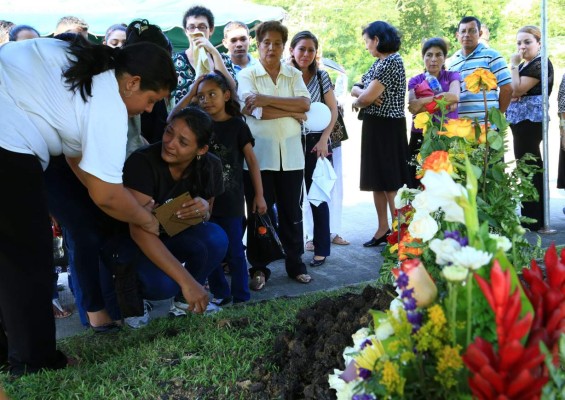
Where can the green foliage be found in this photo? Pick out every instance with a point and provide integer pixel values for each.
(555, 388)
(338, 25)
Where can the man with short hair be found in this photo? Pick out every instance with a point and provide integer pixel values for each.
(72, 24)
(236, 40)
(475, 55)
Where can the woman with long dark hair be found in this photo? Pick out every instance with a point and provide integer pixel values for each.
(77, 105)
(303, 51)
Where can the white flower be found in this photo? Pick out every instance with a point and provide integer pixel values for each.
(359, 337)
(403, 196)
(395, 305)
(442, 192)
(502, 242)
(420, 203)
(455, 273)
(444, 250)
(471, 258)
(384, 330)
(423, 226)
(344, 390)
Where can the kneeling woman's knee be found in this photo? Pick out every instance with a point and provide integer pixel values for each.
(216, 239)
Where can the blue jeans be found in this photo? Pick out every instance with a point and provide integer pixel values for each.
(235, 258)
(201, 247)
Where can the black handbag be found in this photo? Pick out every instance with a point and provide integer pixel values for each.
(339, 132)
(263, 243)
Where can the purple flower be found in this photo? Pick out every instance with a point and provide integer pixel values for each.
(402, 280)
(456, 235)
(366, 343)
(364, 373)
(409, 303)
(363, 397)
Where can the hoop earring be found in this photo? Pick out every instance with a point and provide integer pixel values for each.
(125, 92)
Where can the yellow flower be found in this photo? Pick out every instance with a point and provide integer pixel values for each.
(422, 120)
(394, 248)
(437, 316)
(481, 79)
(437, 161)
(368, 357)
(483, 136)
(391, 379)
(449, 363)
(462, 128)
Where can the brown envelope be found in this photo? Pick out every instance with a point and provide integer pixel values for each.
(169, 221)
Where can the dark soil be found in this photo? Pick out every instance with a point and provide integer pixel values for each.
(304, 355)
(309, 352)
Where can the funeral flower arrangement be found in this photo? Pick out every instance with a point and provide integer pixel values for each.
(464, 324)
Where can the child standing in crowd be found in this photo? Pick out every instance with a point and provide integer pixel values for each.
(232, 143)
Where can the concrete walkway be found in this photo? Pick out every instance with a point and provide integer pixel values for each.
(353, 264)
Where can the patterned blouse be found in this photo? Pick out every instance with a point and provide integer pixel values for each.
(390, 72)
(186, 73)
(529, 106)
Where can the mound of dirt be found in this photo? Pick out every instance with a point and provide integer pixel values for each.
(309, 352)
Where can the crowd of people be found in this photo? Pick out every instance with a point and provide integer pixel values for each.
(105, 134)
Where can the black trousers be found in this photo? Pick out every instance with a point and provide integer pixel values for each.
(320, 213)
(285, 189)
(26, 267)
(527, 138)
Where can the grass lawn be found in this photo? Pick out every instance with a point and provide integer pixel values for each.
(198, 356)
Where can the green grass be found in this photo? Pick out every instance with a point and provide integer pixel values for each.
(202, 357)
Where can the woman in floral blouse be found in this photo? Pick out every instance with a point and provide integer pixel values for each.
(198, 24)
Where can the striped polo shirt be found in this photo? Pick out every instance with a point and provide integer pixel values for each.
(472, 105)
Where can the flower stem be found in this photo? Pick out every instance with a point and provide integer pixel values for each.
(486, 144)
(453, 306)
(469, 306)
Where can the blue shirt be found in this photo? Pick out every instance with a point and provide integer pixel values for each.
(251, 61)
(472, 105)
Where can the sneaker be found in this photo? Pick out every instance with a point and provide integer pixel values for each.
(221, 302)
(140, 322)
(212, 308)
(180, 303)
(257, 281)
(175, 311)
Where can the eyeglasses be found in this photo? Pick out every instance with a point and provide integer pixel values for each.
(201, 27)
(470, 32)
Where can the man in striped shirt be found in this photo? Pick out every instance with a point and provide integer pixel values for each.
(475, 55)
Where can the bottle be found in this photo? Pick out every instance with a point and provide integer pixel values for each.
(434, 83)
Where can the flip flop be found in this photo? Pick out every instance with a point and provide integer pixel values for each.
(309, 245)
(303, 278)
(339, 240)
(58, 311)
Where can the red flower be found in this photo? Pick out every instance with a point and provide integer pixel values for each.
(548, 299)
(514, 372)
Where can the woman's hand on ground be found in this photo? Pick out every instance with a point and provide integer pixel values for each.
(196, 296)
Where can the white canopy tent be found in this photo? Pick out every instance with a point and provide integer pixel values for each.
(100, 14)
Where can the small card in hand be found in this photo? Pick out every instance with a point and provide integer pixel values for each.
(166, 214)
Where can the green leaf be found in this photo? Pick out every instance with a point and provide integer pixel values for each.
(495, 140)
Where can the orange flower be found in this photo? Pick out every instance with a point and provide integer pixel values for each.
(405, 249)
(483, 136)
(481, 79)
(437, 161)
(462, 128)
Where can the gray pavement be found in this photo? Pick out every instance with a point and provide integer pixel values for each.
(354, 264)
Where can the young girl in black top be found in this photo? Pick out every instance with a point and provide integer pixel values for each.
(232, 143)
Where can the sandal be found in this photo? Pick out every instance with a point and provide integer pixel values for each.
(339, 240)
(309, 245)
(58, 311)
(303, 278)
(258, 281)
